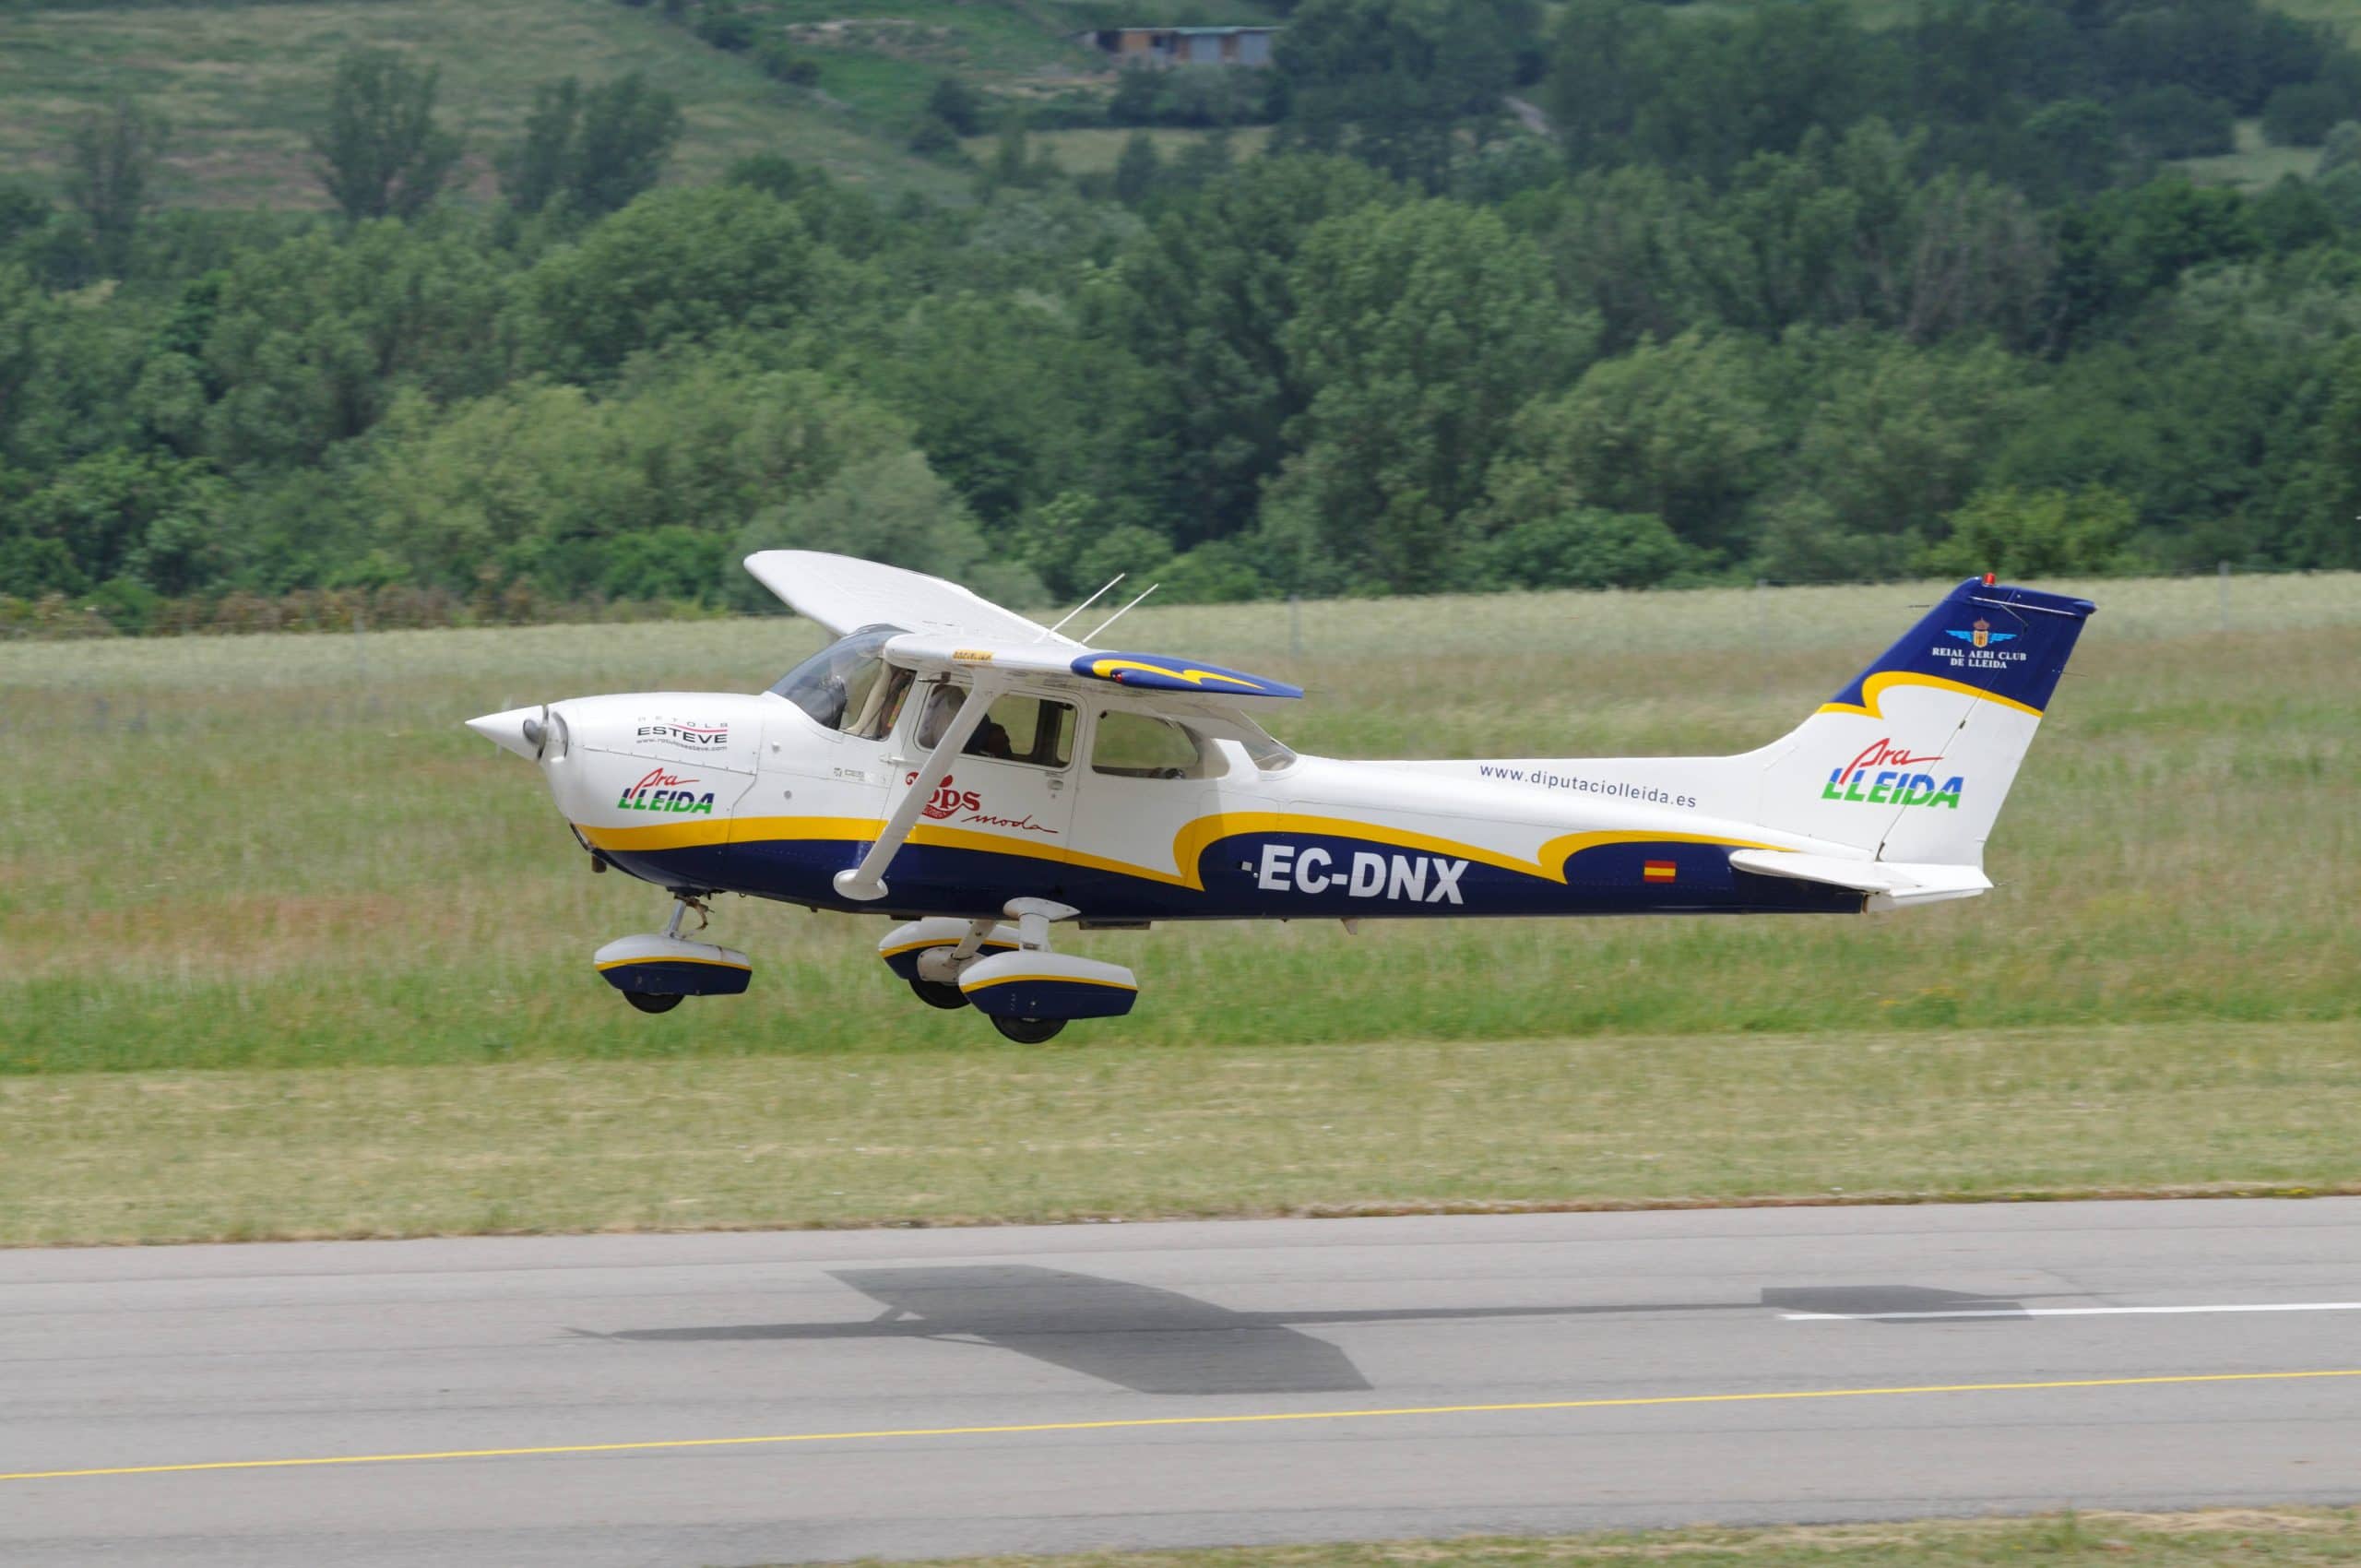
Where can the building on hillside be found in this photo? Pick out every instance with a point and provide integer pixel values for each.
(1162, 47)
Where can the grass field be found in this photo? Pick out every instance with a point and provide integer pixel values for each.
(243, 83)
(2344, 16)
(231, 857)
(2256, 165)
(2241, 1537)
(287, 851)
(1126, 1130)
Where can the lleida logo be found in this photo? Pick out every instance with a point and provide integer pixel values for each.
(660, 791)
(1983, 651)
(1311, 869)
(696, 736)
(1893, 785)
(949, 799)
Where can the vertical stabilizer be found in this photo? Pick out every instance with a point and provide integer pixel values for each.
(1912, 759)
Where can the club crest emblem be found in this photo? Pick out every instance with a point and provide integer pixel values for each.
(1982, 634)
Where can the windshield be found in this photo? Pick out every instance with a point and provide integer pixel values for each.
(840, 686)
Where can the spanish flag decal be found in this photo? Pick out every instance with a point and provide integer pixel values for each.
(1657, 870)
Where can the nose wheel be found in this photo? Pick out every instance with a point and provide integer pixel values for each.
(1029, 1031)
(648, 1003)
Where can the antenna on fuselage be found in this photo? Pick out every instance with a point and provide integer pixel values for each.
(1078, 608)
(1118, 615)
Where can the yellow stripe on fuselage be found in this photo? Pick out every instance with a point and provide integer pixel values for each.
(708, 832)
(1880, 684)
(1187, 846)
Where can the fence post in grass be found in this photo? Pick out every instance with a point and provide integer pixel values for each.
(1762, 629)
(2222, 595)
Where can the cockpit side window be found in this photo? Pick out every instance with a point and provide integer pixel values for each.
(1034, 731)
(1132, 745)
(847, 686)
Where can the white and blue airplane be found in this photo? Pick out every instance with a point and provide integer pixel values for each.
(980, 778)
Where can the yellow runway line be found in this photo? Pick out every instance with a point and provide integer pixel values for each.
(1144, 1422)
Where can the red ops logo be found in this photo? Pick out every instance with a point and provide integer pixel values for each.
(948, 798)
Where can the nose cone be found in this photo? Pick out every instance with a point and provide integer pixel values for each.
(521, 729)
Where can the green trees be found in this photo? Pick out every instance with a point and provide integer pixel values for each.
(2037, 533)
(651, 489)
(1393, 81)
(116, 513)
(600, 149)
(1420, 328)
(381, 154)
(1200, 306)
(627, 134)
(682, 266)
(1686, 431)
(311, 343)
(114, 157)
(1763, 293)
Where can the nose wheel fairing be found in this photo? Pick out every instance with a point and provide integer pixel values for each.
(671, 966)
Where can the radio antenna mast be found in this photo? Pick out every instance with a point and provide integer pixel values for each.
(1119, 614)
(1078, 608)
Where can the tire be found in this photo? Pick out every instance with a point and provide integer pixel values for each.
(1029, 1031)
(936, 993)
(649, 1002)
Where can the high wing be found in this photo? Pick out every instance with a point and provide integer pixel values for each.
(845, 595)
(1167, 681)
(1208, 695)
(951, 632)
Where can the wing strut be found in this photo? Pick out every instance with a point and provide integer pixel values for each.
(866, 882)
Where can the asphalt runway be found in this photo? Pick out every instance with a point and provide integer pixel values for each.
(732, 1399)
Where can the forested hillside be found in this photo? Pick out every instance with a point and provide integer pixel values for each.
(1612, 293)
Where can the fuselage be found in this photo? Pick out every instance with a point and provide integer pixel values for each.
(1081, 801)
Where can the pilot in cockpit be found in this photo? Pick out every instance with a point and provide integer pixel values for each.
(991, 738)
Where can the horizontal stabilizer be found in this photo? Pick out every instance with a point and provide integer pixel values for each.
(1889, 884)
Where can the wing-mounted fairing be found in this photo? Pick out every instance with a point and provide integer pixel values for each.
(1055, 666)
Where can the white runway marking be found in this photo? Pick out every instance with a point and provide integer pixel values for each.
(2076, 1312)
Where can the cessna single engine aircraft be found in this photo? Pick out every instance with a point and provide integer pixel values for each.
(981, 778)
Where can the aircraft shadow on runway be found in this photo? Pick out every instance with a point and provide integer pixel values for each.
(1158, 1342)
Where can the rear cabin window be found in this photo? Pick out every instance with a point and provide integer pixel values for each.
(1132, 745)
(1033, 730)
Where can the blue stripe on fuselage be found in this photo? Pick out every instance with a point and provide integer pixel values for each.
(1256, 875)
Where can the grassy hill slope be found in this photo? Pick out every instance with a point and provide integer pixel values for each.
(243, 84)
